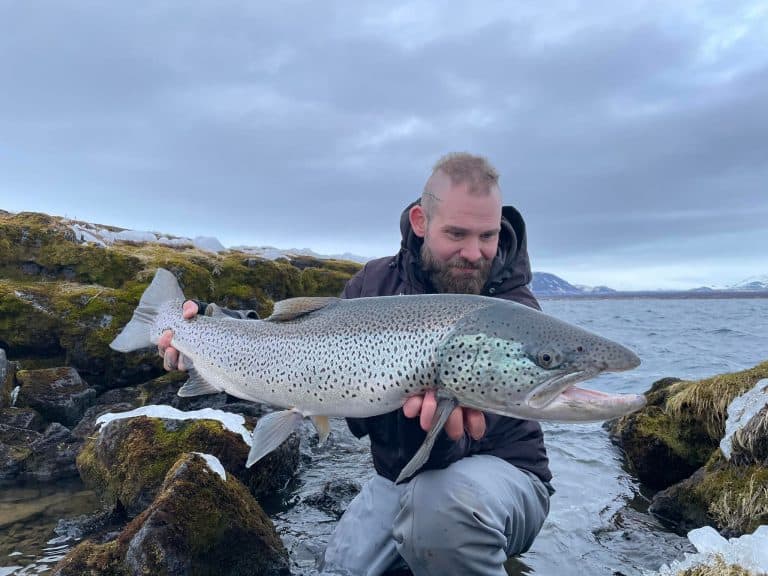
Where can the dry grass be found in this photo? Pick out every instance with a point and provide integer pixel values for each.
(750, 444)
(707, 400)
(718, 568)
(738, 510)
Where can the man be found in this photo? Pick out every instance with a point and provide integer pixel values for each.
(484, 492)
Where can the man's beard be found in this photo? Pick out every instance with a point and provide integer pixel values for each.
(446, 281)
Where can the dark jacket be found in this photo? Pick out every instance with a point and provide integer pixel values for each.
(395, 438)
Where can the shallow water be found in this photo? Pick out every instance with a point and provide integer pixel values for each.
(598, 523)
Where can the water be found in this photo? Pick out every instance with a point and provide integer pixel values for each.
(598, 523)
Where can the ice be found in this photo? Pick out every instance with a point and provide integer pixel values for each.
(741, 411)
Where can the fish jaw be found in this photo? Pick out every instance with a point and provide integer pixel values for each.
(583, 405)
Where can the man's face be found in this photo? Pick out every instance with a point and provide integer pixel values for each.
(460, 239)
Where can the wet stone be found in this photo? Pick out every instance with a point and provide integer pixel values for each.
(59, 394)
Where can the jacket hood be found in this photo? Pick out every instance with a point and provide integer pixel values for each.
(511, 266)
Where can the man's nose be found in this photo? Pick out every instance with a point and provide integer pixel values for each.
(470, 250)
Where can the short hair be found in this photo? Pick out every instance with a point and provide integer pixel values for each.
(461, 168)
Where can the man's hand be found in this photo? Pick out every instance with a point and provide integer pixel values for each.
(425, 407)
(168, 353)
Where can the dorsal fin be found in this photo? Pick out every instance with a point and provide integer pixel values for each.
(293, 308)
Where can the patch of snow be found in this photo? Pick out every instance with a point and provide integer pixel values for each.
(208, 243)
(94, 234)
(749, 551)
(232, 422)
(741, 411)
(214, 464)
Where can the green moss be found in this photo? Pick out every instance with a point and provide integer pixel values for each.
(90, 559)
(25, 324)
(61, 298)
(144, 451)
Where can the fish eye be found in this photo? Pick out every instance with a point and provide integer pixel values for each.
(547, 359)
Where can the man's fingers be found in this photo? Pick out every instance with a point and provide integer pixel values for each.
(412, 406)
(428, 409)
(189, 309)
(164, 342)
(474, 421)
(171, 359)
(454, 426)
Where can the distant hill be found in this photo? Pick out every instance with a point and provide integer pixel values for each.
(546, 284)
(752, 283)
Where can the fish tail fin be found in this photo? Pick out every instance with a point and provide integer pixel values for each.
(137, 333)
(272, 430)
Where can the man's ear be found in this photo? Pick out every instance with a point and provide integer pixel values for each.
(418, 220)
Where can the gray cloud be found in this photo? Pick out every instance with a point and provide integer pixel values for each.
(632, 136)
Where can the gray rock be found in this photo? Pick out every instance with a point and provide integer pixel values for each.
(24, 418)
(53, 455)
(334, 497)
(59, 394)
(169, 542)
(15, 448)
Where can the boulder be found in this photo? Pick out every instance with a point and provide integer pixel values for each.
(679, 429)
(200, 523)
(15, 448)
(127, 461)
(59, 394)
(334, 497)
(29, 455)
(24, 418)
(53, 455)
(732, 498)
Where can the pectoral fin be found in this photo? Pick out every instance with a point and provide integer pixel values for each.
(271, 431)
(196, 385)
(444, 408)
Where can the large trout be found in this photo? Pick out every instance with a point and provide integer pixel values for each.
(321, 357)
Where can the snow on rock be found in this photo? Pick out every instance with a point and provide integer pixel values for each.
(741, 410)
(93, 234)
(749, 551)
(214, 464)
(232, 422)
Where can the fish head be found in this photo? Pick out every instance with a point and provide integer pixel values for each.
(516, 361)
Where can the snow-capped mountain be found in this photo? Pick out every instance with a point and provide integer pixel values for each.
(752, 283)
(546, 284)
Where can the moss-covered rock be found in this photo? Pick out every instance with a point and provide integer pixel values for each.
(732, 498)
(128, 460)
(199, 524)
(58, 394)
(64, 298)
(681, 426)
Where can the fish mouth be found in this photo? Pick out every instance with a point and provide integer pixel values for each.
(558, 399)
(556, 385)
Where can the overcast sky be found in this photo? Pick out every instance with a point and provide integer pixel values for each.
(633, 136)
